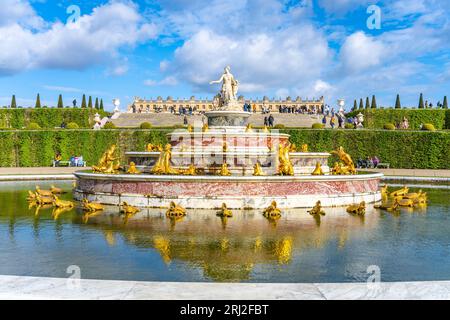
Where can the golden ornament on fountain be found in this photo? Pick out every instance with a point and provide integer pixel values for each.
(191, 171)
(318, 171)
(205, 128)
(127, 209)
(293, 148)
(175, 211)
(224, 147)
(413, 196)
(43, 200)
(258, 171)
(190, 128)
(304, 148)
(393, 207)
(106, 163)
(285, 167)
(31, 196)
(385, 191)
(357, 209)
(62, 203)
(55, 190)
(163, 164)
(272, 211)
(400, 193)
(349, 165)
(132, 169)
(249, 128)
(225, 212)
(224, 171)
(266, 130)
(92, 206)
(45, 193)
(317, 209)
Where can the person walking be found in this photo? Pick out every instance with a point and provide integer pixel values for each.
(271, 121)
(266, 122)
(332, 122)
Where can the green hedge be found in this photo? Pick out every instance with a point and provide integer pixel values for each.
(402, 149)
(48, 118)
(377, 118)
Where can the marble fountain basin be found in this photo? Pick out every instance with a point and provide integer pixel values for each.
(238, 192)
(240, 161)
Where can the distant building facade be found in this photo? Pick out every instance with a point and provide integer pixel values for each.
(203, 105)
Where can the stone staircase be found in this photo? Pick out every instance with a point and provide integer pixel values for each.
(133, 120)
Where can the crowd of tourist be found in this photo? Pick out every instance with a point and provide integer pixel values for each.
(368, 163)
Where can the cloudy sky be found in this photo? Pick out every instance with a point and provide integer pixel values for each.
(278, 48)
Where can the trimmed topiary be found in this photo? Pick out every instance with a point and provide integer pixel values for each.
(33, 126)
(72, 125)
(109, 125)
(389, 126)
(279, 126)
(318, 126)
(146, 125)
(349, 126)
(428, 127)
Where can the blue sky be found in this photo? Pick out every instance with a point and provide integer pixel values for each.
(277, 48)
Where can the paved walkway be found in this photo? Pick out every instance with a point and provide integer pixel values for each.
(413, 172)
(12, 287)
(38, 171)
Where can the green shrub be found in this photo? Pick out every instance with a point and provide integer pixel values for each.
(377, 118)
(279, 126)
(179, 126)
(33, 126)
(72, 125)
(349, 126)
(389, 126)
(318, 126)
(109, 125)
(428, 127)
(146, 125)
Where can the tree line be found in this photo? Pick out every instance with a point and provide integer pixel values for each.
(373, 104)
(89, 104)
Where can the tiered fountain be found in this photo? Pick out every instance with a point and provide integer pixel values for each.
(226, 161)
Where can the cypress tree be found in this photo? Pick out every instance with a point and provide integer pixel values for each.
(13, 101)
(96, 104)
(101, 104)
(367, 103)
(421, 104)
(355, 106)
(398, 105)
(83, 102)
(374, 102)
(90, 102)
(38, 101)
(445, 105)
(361, 104)
(60, 102)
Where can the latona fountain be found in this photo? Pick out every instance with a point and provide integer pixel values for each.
(227, 161)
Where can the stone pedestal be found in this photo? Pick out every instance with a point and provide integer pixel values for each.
(227, 118)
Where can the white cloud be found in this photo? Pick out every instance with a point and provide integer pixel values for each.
(167, 81)
(94, 39)
(261, 61)
(360, 52)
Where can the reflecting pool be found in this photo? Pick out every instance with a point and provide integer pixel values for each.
(413, 245)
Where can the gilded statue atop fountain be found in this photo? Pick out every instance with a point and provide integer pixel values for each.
(153, 148)
(258, 171)
(175, 211)
(163, 165)
(318, 171)
(107, 163)
(229, 91)
(132, 169)
(272, 212)
(349, 166)
(304, 148)
(224, 171)
(317, 210)
(285, 167)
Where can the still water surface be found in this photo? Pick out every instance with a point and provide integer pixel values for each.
(411, 246)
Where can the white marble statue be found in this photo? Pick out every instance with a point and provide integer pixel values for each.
(229, 90)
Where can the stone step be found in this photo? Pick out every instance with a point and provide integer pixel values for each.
(133, 120)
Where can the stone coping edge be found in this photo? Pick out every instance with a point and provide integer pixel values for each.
(31, 288)
(180, 178)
